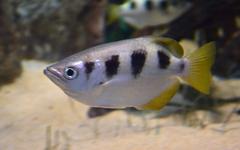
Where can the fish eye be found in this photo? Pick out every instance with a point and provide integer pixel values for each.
(70, 73)
(149, 5)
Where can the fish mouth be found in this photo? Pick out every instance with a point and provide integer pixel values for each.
(54, 75)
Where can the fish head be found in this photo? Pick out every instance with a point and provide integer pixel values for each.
(68, 75)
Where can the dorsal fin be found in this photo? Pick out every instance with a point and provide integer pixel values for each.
(164, 97)
(172, 45)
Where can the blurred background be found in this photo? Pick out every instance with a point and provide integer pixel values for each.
(34, 112)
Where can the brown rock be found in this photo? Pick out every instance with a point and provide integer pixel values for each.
(9, 57)
(58, 30)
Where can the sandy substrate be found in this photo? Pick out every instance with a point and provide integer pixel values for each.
(36, 115)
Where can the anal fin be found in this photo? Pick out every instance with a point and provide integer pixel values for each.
(164, 97)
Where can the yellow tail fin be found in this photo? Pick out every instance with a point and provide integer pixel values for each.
(199, 71)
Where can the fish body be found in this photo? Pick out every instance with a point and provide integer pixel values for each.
(143, 13)
(142, 72)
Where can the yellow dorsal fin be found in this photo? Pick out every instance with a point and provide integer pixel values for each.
(172, 45)
(164, 97)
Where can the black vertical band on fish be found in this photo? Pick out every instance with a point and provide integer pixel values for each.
(112, 66)
(163, 60)
(89, 66)
(133, 5)
(138, 59)
(175, 2)
(149, 5)
(163, 5)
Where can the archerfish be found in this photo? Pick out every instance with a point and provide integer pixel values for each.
(144, 72)
(143, 13)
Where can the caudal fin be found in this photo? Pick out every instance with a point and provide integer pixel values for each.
(199, 71)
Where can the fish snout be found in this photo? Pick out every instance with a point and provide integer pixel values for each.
(52, 71)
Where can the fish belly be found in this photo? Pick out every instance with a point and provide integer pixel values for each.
(129, 93)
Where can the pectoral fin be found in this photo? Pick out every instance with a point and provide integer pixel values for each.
(117, 80)
(164, 97)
